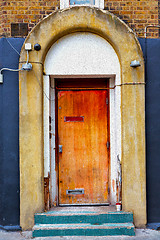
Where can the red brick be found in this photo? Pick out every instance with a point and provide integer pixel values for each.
(136, 13)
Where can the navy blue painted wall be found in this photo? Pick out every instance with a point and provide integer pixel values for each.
(152, 52)
(9, 134)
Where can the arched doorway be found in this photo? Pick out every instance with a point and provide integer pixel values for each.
(132, 130)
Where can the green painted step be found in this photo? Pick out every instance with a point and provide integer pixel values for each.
(107, 229)
(54, 217)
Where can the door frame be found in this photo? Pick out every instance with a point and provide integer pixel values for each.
(107, 136)
(115, 134)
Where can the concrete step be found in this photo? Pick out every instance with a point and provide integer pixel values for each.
(92, 217)
(107, 229)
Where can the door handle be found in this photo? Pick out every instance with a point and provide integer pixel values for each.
(60, 148)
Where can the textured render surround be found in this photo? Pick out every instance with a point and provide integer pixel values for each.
(124, 42)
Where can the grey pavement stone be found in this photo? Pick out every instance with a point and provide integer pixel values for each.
(141, 234)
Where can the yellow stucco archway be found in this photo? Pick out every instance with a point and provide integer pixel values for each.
(126, 45)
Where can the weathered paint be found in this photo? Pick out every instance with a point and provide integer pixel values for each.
(31, 156)
(83, 230)
(46, 193)
(84, 160)
(84, 215)
(53, 173)
(127, 48)
(46, 126)
(72, 219)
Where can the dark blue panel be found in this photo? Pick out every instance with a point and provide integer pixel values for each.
(152, 56)
(9, 132)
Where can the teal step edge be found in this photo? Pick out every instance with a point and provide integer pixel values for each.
(128, 231)
(92, 219)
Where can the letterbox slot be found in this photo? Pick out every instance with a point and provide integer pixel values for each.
(75, 191)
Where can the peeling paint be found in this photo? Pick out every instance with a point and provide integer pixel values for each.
(113, 185)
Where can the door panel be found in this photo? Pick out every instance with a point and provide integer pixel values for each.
(83, 134)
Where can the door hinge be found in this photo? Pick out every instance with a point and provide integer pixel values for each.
(107, 101)
(108, 144)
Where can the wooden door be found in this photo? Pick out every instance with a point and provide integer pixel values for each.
(83, 133)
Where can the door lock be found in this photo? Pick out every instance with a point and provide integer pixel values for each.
(60, 148)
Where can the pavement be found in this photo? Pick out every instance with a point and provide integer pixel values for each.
(141, 234)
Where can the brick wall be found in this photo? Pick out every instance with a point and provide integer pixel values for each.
(18, 17)
(17, 13)
(137, 14)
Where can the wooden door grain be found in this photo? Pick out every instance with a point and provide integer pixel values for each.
(83, 132)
